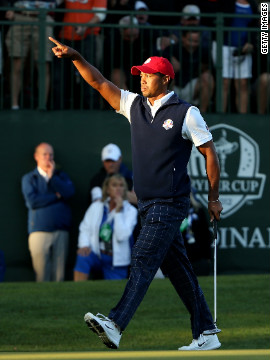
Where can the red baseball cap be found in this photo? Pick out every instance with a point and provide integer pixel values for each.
(153, 65)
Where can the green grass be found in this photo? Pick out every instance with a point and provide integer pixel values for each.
(49, 316)
(142, 355)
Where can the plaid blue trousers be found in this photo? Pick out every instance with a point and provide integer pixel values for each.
(160, 244)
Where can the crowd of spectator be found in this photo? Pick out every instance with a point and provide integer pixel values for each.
(115, 41)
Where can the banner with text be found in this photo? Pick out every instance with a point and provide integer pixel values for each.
(244, 231)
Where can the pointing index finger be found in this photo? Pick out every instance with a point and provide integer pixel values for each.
(55, 41)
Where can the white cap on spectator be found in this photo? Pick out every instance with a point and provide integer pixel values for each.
(140, 5)
(111, 152)
(128, 20)
(96, 193)
(192, 11)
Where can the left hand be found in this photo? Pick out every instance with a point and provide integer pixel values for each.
(214, 209)
(63, 51)
(50, 168)
(80, 30)
(247, 48)
(58, 195)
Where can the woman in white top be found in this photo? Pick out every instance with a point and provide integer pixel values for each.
(106, 233)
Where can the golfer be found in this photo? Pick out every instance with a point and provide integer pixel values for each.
(163, 130)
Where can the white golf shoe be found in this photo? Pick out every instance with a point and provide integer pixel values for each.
(209, 342)
(105, 328)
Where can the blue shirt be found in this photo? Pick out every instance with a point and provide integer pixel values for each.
(239, 38)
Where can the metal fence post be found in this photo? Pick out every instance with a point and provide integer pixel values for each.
(219, 80)
(42, 60)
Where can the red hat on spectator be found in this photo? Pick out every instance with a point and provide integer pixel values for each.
(154, 65)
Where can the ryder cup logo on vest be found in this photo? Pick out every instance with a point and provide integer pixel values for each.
(239, 158)
(168, 124)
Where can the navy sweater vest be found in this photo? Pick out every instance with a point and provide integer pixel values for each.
(159, 152)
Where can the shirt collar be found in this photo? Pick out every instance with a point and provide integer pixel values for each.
(43, 173)
(161, 101)
(158, 103)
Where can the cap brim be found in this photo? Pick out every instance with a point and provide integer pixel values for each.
(109, 158)
(190, 17)
(136, 70)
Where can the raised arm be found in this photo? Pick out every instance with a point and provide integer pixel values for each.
(213, 174)
(110, 92)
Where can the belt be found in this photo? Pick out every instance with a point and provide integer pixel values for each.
(29, 14)
(105, 252)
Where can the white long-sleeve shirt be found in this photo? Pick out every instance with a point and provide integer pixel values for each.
(124, 223)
